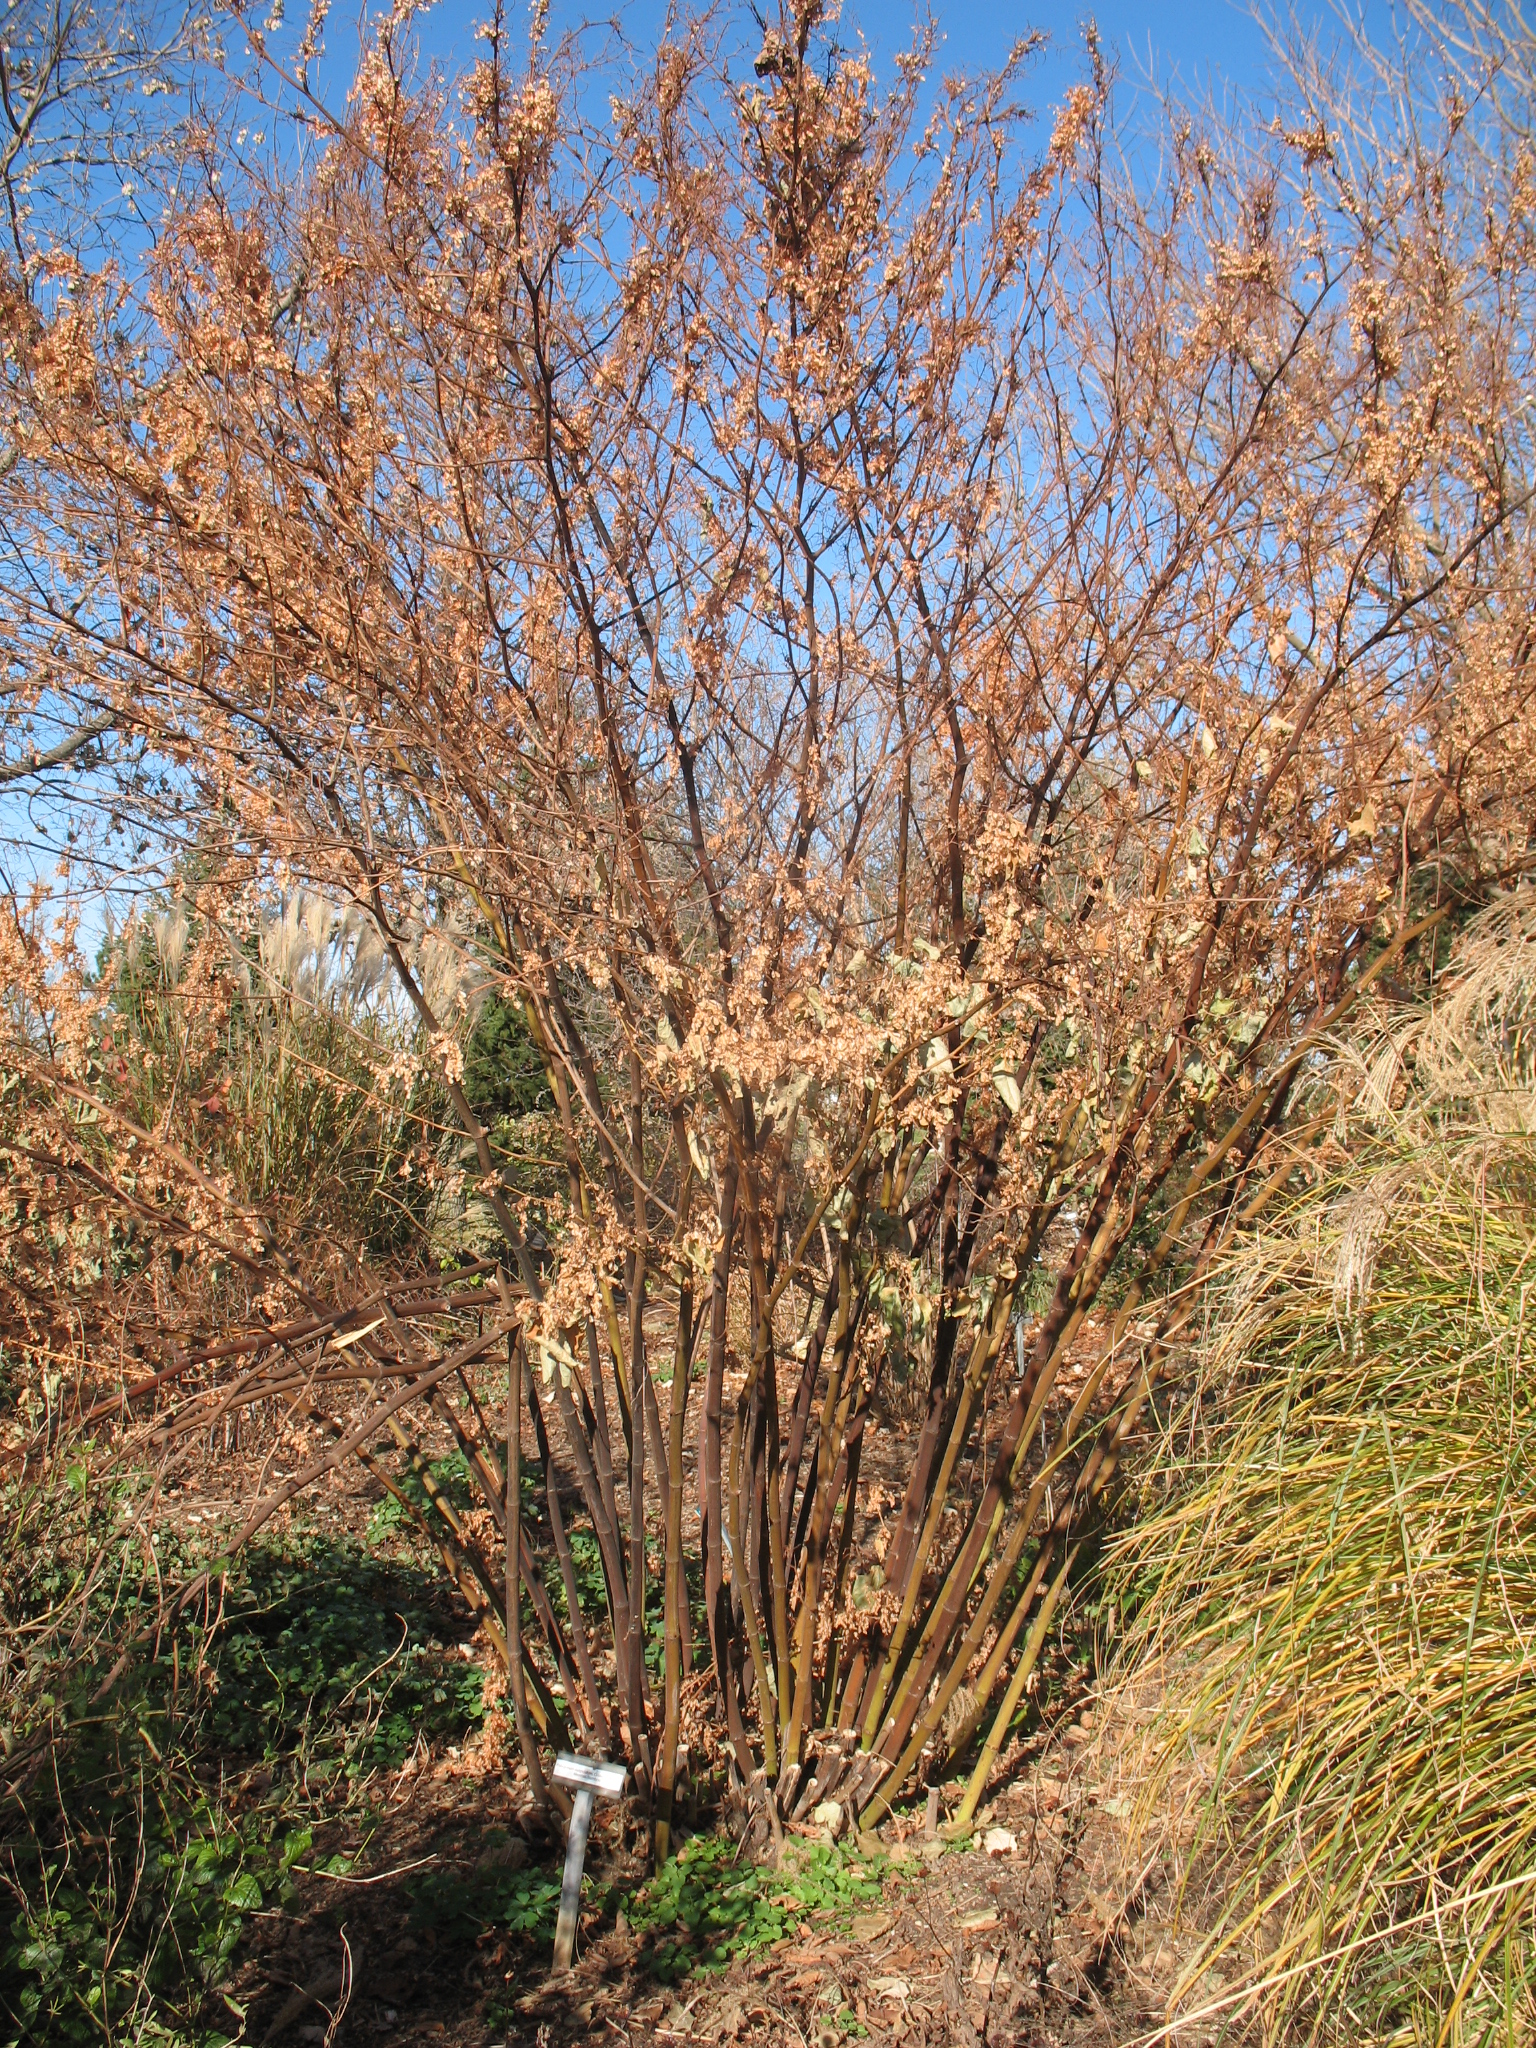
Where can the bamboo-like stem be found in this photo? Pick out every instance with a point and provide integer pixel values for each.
(639, 1737)
(982, 1353)
(764, 1531)
(1076, 1288)
(639, 1740)
(602, 1445)
(660, 1457)
(607, 1533)
(960, 1741)
(960, 1660)
(468, 1568)
(513, 1526)
(711, 1504)
(486, 1473)
(800, 1413)
(741, 1577)
(845, 1485)
(676, 1589)
(1096, 1474)
(1100, 1463)
(1102, 1459)
(764, 1258)
(602, 1455)
(596, 1716)
(834, 1417)
(778, 1581)
(454, 1559)
(923, 1505)
(844, 1342)
(1005, 1713)
(754, 1520)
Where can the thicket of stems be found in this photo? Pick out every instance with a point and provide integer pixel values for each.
(920, 666)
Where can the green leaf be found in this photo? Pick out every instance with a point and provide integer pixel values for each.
(244, 1894)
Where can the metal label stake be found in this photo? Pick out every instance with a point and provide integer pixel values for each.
(590, 1780)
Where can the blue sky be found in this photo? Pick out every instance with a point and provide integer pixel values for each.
(1194, 44)
(1198, 38)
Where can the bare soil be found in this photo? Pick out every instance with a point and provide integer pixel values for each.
(1059, 1939)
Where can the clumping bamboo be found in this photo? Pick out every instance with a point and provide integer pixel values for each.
(914, 667)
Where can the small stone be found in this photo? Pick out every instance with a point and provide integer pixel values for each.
(999, 1842)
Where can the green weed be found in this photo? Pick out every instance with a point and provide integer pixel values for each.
(391, 1519)
(705, 1907)
(191, 1796)
(525, 1902)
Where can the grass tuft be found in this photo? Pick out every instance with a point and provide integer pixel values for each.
(1335, 1552)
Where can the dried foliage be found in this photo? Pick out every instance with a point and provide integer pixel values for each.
(92, 100)
(923, 667)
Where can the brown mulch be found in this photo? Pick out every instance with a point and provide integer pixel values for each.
(1062, 1939)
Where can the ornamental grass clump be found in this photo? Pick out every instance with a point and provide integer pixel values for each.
(1337, 1553)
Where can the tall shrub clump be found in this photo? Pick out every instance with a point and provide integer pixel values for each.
(913, 661)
